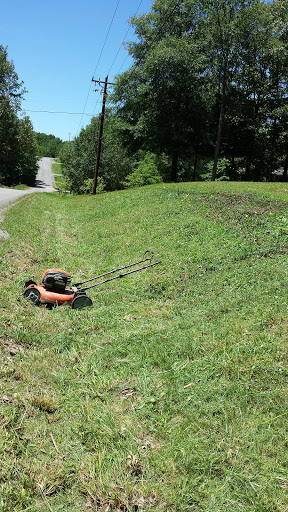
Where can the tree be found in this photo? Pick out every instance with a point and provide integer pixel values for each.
(10, 87)
(27, 149)
(17, 142)
(9, 150)
(251, 128)
(279, 79)
(219, 45)
(48, 145)
(160, 99)
(79, 157)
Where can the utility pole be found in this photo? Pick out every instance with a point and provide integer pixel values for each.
(101, 130)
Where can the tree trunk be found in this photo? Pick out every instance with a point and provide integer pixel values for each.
(218, 139)
(195, 167)
(174, 171)
(247, 174)
(249, 156)
(233, 165)
(284, 177)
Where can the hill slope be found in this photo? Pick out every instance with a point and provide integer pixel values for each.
(170, 393)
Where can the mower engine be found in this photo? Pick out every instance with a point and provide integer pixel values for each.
(56, 280)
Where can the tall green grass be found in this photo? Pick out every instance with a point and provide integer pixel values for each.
(59, 179)
(170, 393)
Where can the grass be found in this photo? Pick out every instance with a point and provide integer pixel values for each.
(16, 187)
(59, 179)
(170, 393)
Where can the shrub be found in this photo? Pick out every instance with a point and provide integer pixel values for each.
(146, 173)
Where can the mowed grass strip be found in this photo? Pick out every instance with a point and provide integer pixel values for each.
(170, 393)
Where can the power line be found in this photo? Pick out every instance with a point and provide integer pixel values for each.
(107, 34)
(161, 26)
(54, 112)
(121, 45)
(99, 95)
(168, 15)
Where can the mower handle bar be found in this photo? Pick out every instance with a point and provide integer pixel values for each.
(156, 261)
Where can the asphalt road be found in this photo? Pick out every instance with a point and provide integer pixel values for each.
(43, 183)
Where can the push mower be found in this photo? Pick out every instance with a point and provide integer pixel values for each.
(52, 291)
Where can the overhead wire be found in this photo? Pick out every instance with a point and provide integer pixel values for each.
(161, 26)
(121, 45)
(106, 36)
(56, 112)
(102, 49)
(105, 40)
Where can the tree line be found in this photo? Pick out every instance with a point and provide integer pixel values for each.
(210, 81)
(48, 145)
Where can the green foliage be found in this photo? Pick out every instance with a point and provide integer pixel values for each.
(79, 158)
(170, 392)
(160, 103)
(27, 150)
(222, 170)
(146, 173)
(10, 87)
(48, 145)
(9, 155)
(211, 78)
(18, 163)
(87, 186)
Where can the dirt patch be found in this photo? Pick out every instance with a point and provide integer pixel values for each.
(9, 346)
(3, 234)
(121, 502)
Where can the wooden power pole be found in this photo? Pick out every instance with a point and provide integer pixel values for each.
(100, 131)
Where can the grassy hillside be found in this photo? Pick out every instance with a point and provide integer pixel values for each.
(170, 393)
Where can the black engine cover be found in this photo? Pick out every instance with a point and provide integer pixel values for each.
(56, 280)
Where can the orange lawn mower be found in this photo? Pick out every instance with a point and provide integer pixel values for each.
(52, 291)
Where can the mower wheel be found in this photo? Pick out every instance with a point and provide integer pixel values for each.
(33, 295)
(81, 301)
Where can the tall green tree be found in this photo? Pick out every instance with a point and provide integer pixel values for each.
(254, 82)
(251, 127)
(160, 99)
(17, 142)
(9, 149)
(10, 86)
(27, 149)
(279, 79)
(220, 45)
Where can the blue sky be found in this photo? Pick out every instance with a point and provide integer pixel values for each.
(56, 47)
